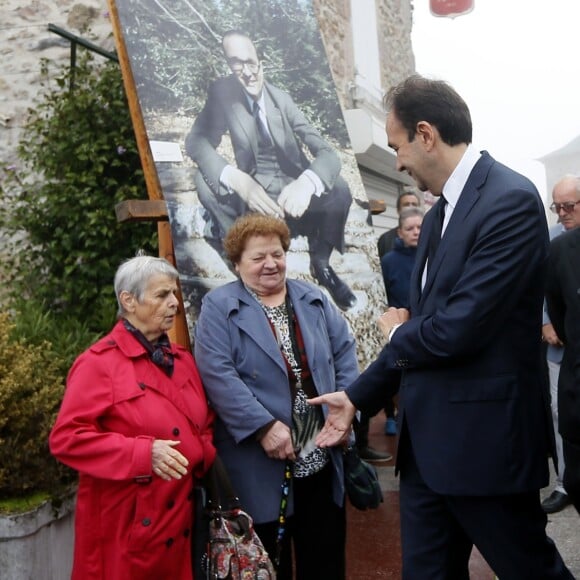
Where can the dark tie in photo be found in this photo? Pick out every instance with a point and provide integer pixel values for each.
(263, 135)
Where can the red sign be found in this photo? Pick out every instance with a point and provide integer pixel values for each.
(450, 8)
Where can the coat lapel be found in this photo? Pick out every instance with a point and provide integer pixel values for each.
(275, 120)
(467, 200)
(249, 317)
(242, 116)
(307, 314)
(149, 375)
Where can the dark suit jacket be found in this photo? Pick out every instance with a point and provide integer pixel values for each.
(227, 110)
(563, 297)
(471, 391)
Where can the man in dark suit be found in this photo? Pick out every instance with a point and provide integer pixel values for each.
(563, 298)
(566, 204)
(473, 427)
(273, 175)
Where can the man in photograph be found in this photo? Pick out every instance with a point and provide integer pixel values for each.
(273, 174)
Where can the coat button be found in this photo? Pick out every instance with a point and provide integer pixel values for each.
(146, 522)
(169, 542)
(190, 495)
(186, 533)
(175, 431)
(170, 504)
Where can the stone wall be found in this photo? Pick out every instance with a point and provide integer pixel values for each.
(394, 19)
(25, 40)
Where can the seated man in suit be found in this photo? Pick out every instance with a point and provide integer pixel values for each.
(273, 175)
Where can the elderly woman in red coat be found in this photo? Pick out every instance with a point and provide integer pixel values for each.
(135, 424)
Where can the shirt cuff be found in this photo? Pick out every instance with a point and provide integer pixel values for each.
(392, 332)
(225, 178)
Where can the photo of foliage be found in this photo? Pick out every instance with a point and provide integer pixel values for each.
(175, 49)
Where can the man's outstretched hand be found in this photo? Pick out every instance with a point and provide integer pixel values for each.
(339, 420)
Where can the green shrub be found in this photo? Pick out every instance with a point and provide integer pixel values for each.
(31, 389)
(77, 159)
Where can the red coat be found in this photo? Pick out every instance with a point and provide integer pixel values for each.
(129, 523)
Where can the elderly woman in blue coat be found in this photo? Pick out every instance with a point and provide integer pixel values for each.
(264, 344)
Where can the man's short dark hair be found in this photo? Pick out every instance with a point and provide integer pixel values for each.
(405, 192)
(434, 101)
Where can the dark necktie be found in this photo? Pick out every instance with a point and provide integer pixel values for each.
(263, 135)
(436, 230)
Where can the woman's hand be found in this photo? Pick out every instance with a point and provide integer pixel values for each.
(277, 442)
(168, 463)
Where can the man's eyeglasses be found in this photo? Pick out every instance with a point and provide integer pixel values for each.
(238, 66)
(567, 206)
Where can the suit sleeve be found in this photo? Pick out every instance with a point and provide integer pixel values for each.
(508, 250)
(554, 295)
(375, 385)
(325, 162)
(205, 136)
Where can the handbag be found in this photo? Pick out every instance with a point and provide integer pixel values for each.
(225, 544)
(361, 481)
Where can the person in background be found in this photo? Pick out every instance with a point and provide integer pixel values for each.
(474, 428)
(566, 203)
(397, 265)
(409, 197)
(264, 344)
(135, 424)
(273, 174)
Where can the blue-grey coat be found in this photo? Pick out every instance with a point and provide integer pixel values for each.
(246, 380)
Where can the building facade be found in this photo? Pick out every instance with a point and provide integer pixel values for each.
(368, 43)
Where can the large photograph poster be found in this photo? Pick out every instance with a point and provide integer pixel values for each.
(197, 67)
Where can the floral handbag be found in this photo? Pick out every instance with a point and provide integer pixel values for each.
(225, 542)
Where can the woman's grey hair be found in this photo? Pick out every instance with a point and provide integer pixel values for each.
(133, 276)
(408, 212)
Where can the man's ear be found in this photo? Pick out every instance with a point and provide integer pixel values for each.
(426, 133)
(127, 301)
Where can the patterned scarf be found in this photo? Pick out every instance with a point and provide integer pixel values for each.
(159, 352)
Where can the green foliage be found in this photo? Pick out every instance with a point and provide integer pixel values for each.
(31, 389)
(175, 48)
(77, 159)
(33, 324)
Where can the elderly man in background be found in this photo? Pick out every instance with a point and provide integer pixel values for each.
(566, 203)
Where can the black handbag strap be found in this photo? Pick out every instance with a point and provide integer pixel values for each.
(220, 492)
